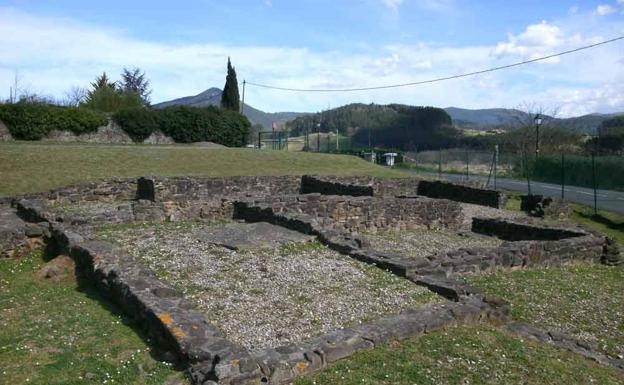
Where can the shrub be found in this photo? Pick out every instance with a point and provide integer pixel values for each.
(33, 121)
(77, 120)
(138, 123)
(211, 124)
(109, 99)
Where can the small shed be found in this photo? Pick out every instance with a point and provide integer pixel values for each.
(370, 157)
(390, 158)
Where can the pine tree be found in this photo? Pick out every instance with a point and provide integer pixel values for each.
(230, 99)
(134, 80)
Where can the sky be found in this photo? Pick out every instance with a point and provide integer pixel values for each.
(183, 46)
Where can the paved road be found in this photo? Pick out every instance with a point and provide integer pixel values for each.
(607, 199)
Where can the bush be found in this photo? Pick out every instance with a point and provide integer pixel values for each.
(33, 121)
(108, 99)
(138, 123)
(210, 124)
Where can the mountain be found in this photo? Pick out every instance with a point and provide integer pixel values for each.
(212, 97)
(486, 119)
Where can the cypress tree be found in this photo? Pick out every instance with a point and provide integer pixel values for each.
(230, 98)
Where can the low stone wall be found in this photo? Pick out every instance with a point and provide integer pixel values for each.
(513, 255)
(112, 190)
(460, 193)
(359, 186)
(519, 231)
(356, 214)
(283, 364)
(169, 319)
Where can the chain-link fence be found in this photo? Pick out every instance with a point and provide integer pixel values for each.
(592, 180)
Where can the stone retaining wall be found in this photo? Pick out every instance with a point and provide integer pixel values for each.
(169, 319)
(461, 193)
(359, 186)
(368, 213)
(518, 231)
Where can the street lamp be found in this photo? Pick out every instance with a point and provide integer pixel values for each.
(538, 123)
(318, 137)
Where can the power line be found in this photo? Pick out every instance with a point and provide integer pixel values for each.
(437, 79)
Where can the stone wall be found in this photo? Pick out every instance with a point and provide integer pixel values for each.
(110, 133)
(461, 193)
(518, 254)
(359, 186)
(356, 214)
(518, 231)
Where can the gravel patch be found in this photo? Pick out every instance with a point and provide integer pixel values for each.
(273, 296)
(422, 242)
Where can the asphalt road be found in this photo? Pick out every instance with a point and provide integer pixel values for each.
(607, 199)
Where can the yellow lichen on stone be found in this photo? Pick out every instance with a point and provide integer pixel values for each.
(166, 318)
(235, 362)
(178, 332)
(301, 365)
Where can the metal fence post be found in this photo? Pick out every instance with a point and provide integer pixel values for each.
(594, 183)
(562, 176)
(526, 169)
(440, 164)
(495, 164)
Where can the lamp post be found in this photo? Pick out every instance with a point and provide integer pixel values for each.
(318, 137)
(538, 122)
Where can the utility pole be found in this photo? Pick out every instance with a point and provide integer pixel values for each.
(242, 106)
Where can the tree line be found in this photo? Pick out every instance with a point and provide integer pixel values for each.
(128, 101)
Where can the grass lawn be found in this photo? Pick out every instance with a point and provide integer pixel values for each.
(465, 355)
(582, 299)
(32, 167)
(608, 223)
(53, 333)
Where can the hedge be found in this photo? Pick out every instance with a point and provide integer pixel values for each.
(138, 123)
(186, 124)
(33, 121)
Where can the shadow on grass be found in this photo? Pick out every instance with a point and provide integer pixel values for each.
(614, 225)
(157, 351)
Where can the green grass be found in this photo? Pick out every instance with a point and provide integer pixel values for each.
(464, 355)
(606, 222)
(33, 167)
(582, 299)
(54, 333)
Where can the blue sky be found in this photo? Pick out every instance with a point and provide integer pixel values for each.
(183, 47)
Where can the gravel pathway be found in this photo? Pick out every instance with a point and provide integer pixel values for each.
(419, 243)
(268, 297)
(471, 211)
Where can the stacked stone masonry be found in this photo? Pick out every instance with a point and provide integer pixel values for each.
(335, 210)
(461, 193)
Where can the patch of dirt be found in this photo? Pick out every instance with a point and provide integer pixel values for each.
(57, 270)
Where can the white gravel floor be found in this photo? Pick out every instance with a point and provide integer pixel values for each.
(421, 242)
(269, 297)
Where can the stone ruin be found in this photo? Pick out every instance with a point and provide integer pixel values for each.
(338, 212)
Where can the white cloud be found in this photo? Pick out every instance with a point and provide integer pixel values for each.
(54, 54)
(536, 41)
(392, 4)
(573, 10)
(605, 9)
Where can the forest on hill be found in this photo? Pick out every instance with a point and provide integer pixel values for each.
(389, 126)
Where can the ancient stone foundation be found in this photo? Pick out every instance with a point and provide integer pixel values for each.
(334, 210)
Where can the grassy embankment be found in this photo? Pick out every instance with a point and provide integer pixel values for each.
(28, 167)
(56, 333)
